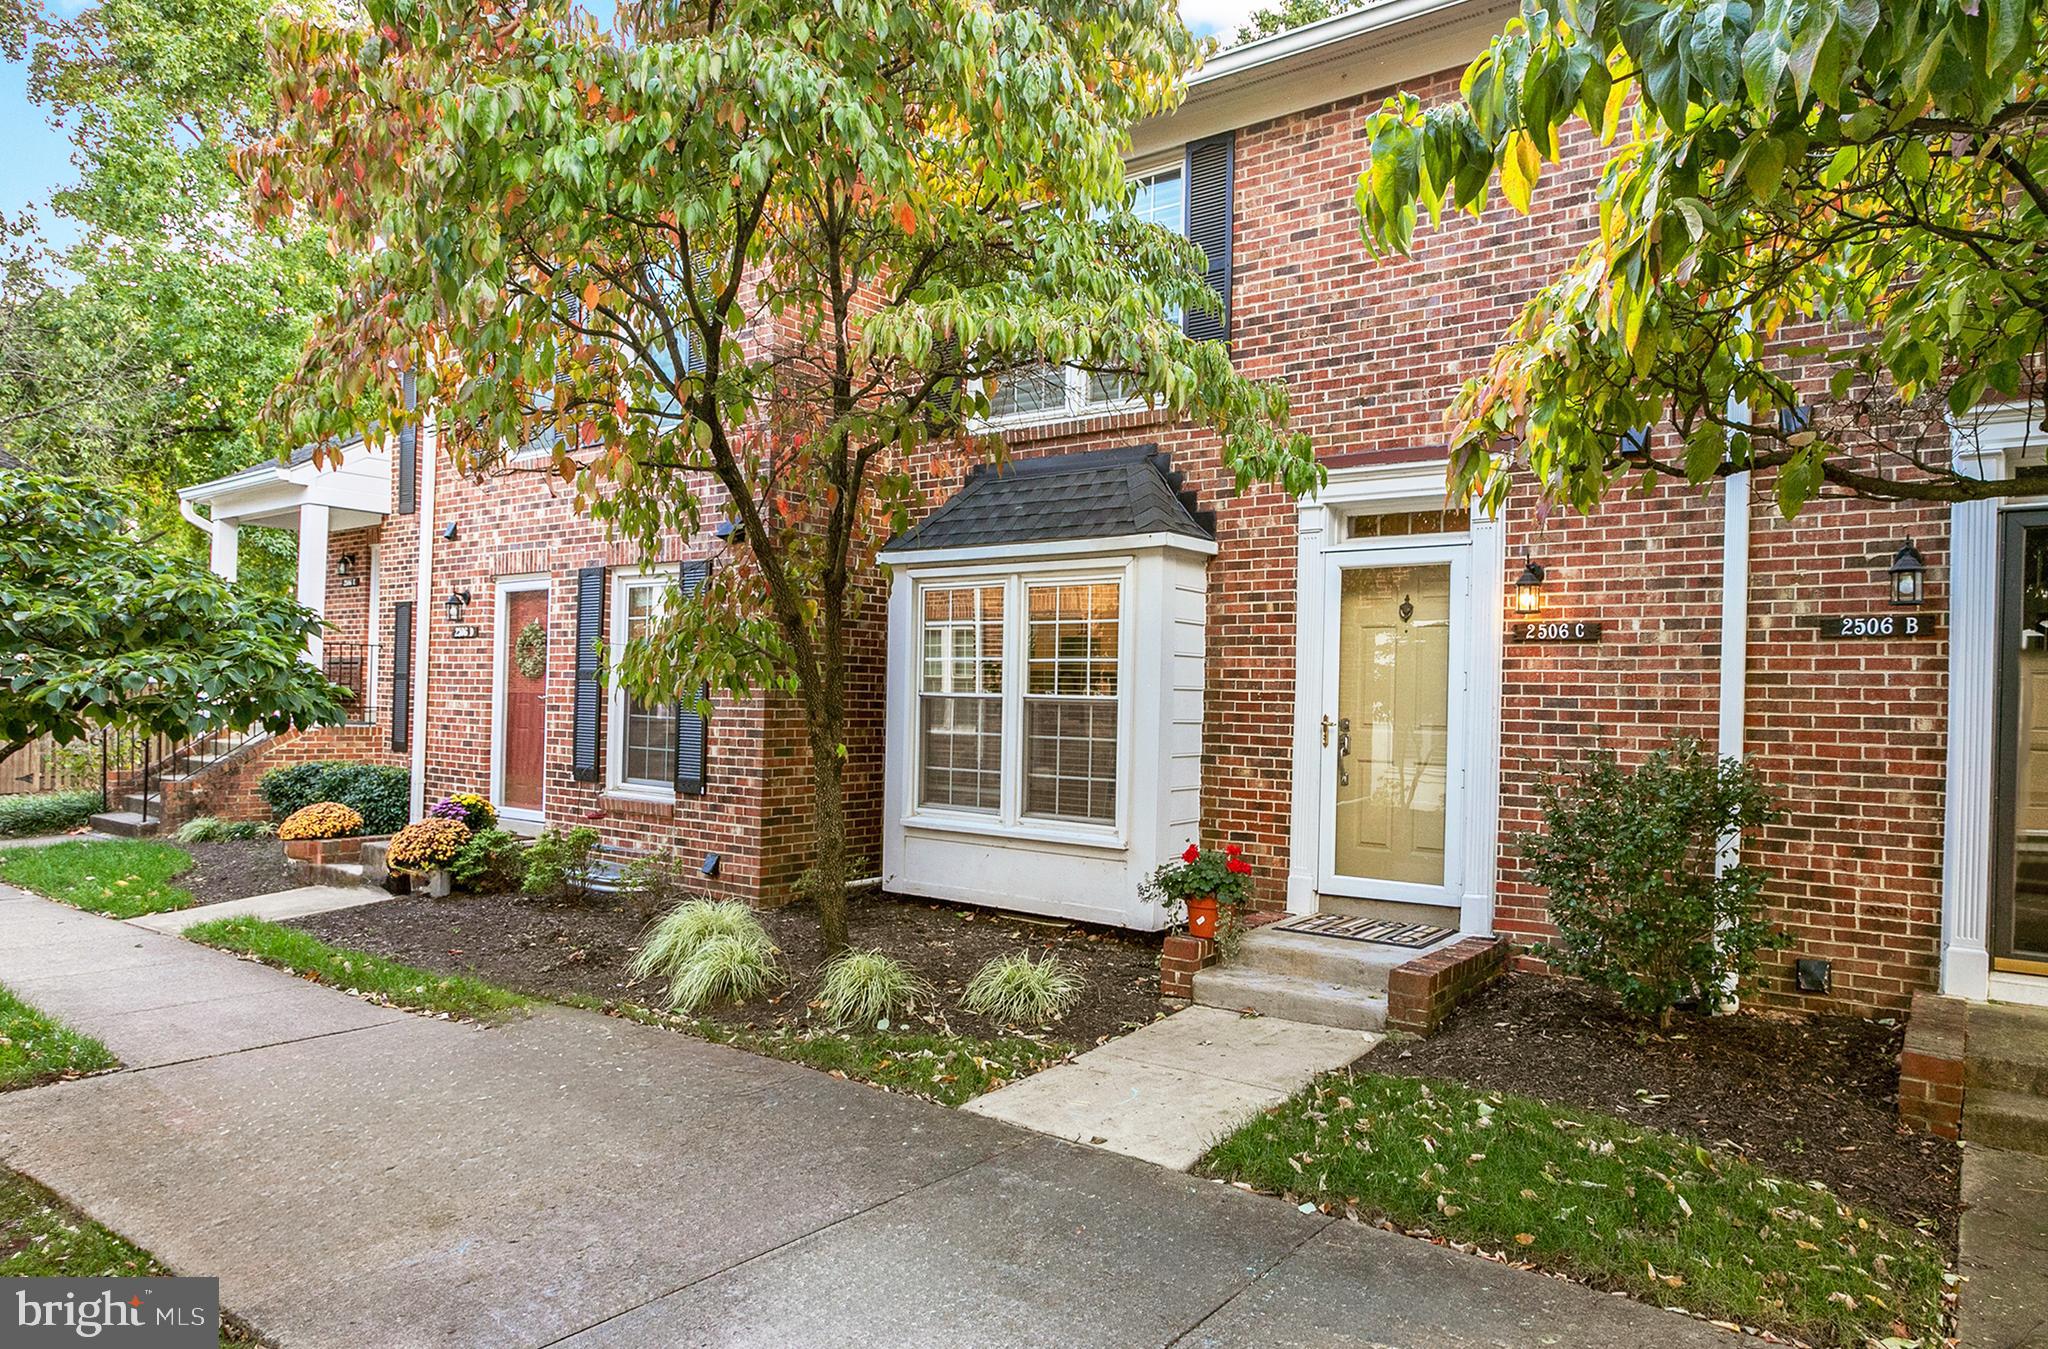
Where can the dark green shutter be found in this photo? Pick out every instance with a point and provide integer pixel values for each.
(589, 688)
(401, 675)
(692, 726)
(1211, 170)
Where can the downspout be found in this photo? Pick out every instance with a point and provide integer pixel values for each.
(194, 518)
(422, 615)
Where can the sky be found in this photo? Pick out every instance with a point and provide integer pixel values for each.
(38, 157)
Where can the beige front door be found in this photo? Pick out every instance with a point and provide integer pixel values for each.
(1393, 773)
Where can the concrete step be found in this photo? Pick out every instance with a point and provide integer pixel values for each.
(126, 823)
(330, 873)
(376, 870)
(1235, 988)
(2008, 1049)
(1358, 965)
(2005, 1119)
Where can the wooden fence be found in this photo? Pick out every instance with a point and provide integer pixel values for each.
(45, 767)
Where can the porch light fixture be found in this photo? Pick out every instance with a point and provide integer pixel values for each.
(345, 565)
(1909, 575)
(457, 601)
(1529, 586)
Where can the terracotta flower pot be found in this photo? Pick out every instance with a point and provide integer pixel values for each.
(1202, 916)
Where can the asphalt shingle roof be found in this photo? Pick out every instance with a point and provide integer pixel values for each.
(1097, 494)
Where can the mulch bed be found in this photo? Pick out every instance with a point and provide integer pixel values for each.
(1807, 1099)
(550, 949)
(223, 871)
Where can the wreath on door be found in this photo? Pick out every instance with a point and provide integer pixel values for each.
(530, 649)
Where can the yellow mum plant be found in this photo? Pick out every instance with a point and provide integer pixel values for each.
(322, 819)
(428, 845)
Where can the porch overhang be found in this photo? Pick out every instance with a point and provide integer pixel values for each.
(275, 494)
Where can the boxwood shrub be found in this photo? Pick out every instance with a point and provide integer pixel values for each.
(45, 812)
(381, 795)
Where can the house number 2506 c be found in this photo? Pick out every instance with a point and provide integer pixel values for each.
(1556, 631)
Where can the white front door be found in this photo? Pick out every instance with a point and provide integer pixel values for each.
(1396, 660)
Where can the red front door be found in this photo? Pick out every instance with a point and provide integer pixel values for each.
(524, 717)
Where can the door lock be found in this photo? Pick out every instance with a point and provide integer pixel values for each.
(1343, 751)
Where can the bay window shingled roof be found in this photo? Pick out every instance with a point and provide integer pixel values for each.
(1096, 494)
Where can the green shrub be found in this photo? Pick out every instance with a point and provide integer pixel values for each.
(45, 813)
(211, 829)
(558, 863)
(492, 861)
(1017, 988)
(684, 930)
(381, 795)
(868, 987)
(663, 880)
(1628, 856)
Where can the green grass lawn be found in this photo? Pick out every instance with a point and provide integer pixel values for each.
(1622, 1208)
(383, 980)
(43, 1237)
(123, 878)
(36, 1049)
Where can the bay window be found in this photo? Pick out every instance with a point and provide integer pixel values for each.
(1019, 691)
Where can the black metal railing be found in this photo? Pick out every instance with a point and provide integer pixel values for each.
(134, 764)
(343, 663)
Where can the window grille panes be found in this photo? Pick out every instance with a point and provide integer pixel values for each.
(1158, 199)
(1070, 702)
(1028, 390)
(960, 702)
(650, 731)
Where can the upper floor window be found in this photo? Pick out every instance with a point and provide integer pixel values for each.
(1045, 393)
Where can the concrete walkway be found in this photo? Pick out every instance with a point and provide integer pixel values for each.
(2003, 1250)
(276, 906)
(357, 1176)
(1165, 1093)
(47, 840)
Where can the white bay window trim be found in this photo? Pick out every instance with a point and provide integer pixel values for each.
(1011, 817)
(616, 782)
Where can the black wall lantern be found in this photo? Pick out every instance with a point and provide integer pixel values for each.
(1909, 575)
(345, 565)
(457, 601)
(1529, 586)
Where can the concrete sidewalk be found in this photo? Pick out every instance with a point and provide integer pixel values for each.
(361, 1177)
(1166, 1092)
(276, 906)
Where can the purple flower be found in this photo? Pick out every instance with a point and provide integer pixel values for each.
(448, 810)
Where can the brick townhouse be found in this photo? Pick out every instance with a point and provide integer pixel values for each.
(1101, 653)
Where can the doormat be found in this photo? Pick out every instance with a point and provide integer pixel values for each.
(1380, 931)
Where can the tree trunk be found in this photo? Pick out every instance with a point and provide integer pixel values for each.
(828, 809)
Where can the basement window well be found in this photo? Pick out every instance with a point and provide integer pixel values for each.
(1046, 633)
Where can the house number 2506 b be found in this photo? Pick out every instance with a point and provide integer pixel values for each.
(1879, 626)
(1556, 630)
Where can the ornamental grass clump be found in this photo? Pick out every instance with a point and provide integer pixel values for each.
(429, 845)
(1017, 988)
(862, 987)
(708, 950)
(322, 819)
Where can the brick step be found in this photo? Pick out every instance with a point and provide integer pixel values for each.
(1290, 997)
(1357, 965)
(126, 823)
(2006, 1119)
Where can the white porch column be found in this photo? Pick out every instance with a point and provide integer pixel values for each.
(312, 589)
(225, 556)
(1972, 709)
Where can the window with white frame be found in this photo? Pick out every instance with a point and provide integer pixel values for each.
(1053, 727)
(1046, 393)
(643, 735)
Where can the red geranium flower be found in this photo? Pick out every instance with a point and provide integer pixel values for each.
(1239, 865)
(1232, 849)
(1192, 854)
